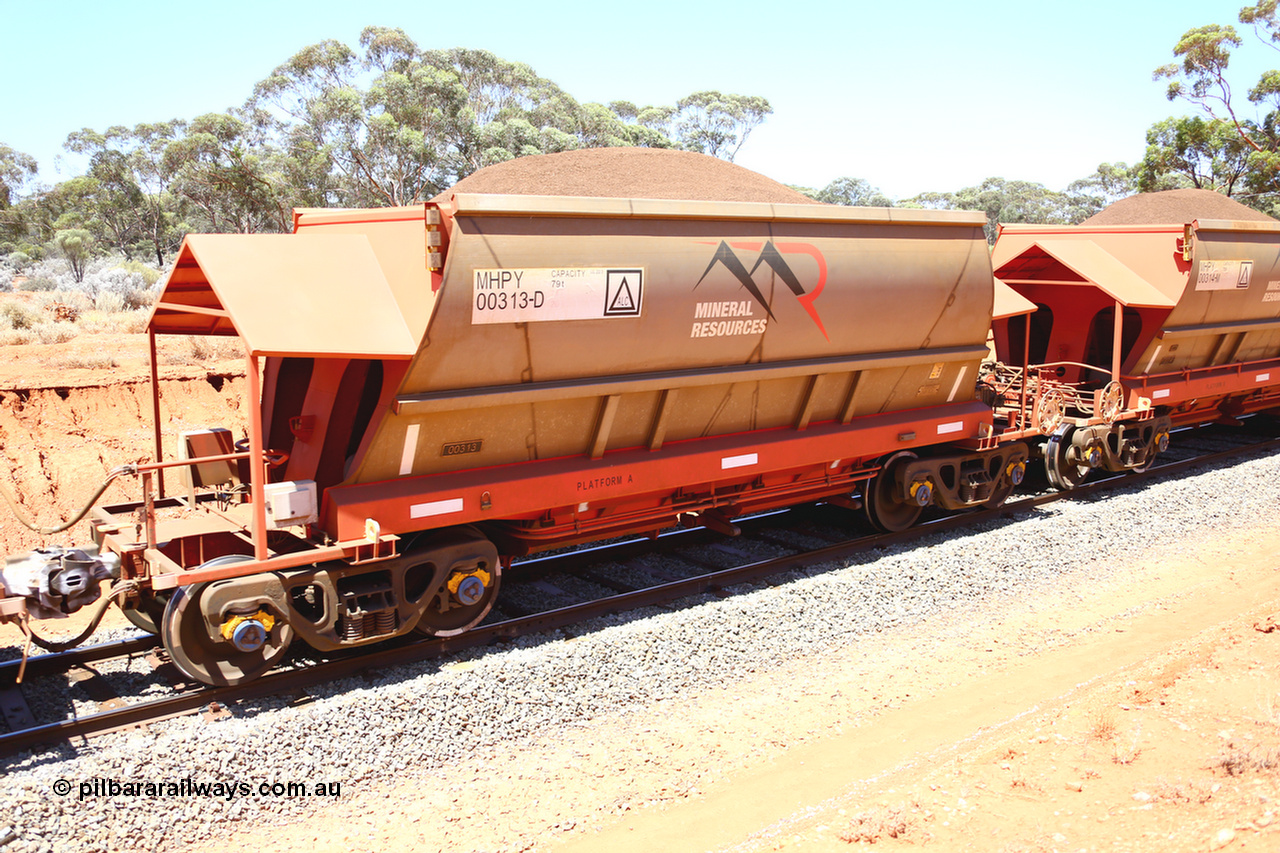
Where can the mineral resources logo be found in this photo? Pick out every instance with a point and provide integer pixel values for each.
(731, 318)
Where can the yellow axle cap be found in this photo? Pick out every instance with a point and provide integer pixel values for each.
(262, 616)
(456, 581)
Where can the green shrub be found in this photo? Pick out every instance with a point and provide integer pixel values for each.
(139, 298)
(36, 253)
(39, 283)
(149, 276)
(15, 315)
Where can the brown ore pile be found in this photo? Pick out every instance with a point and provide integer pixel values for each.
(627, 173)
(1175, 207)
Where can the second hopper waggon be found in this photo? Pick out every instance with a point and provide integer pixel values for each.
(437, 389)
(1136, 329)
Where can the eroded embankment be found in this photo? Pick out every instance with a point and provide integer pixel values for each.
(57, 444)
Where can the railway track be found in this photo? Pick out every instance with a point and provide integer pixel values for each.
(533, 601)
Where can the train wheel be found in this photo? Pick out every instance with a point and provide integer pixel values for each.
(1063, 473)
(1010, 478)
(1158, 445)
(462, 603)
(149, 612)
(253, 650)
(884, 509)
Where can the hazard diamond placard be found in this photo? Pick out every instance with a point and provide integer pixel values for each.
(623, 291)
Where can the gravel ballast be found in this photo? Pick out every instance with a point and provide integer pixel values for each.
(416, 721)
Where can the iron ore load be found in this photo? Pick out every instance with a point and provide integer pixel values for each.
(435, 390)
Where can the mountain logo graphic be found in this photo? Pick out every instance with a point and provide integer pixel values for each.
(771, 255)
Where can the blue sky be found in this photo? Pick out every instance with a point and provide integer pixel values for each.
(917, 96)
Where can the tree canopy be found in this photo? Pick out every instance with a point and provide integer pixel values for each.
(382, 124)
(1025, 201)
(387, 122)
(1235, 149)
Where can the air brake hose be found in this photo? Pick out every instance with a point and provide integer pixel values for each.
(103, 604)
(28, 522)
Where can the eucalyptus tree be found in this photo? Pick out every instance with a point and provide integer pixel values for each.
(645, 127)
(1111, 182)
(136, 178)
(1003, 201)
(602, 126)
(304, 108)
(851, 192)
(76, 245)
(718, 124)
(1201, 76)
(397, 123)
(507, 111)
(1191, 151)
(16, 169)
(106, 201)
(228, 175)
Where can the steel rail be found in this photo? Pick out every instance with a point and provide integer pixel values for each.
(287, 681)
(53, 663)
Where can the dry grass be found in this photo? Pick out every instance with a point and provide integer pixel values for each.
(16, 316)
(1101, 728)
(1237, 761)
(1179, 791)
(58, 315)
(1269, 712)
(100, 361)
(97, 322)
(201, 350)
(880, 823)
(41, 333)
(1128, 751)
(55, 317)
(1103, 725)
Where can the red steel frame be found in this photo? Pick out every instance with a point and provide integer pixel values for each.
(824, 458)
(1211, 385)
(630, 490)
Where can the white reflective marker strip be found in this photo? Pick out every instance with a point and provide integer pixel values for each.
(1263, 377)
(835, 464)
(1152, 360)
(410, 449)
(435, 508)
(954, 426)
(582, 507)
(739, 461)
(959, 379)
(1163, 392)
